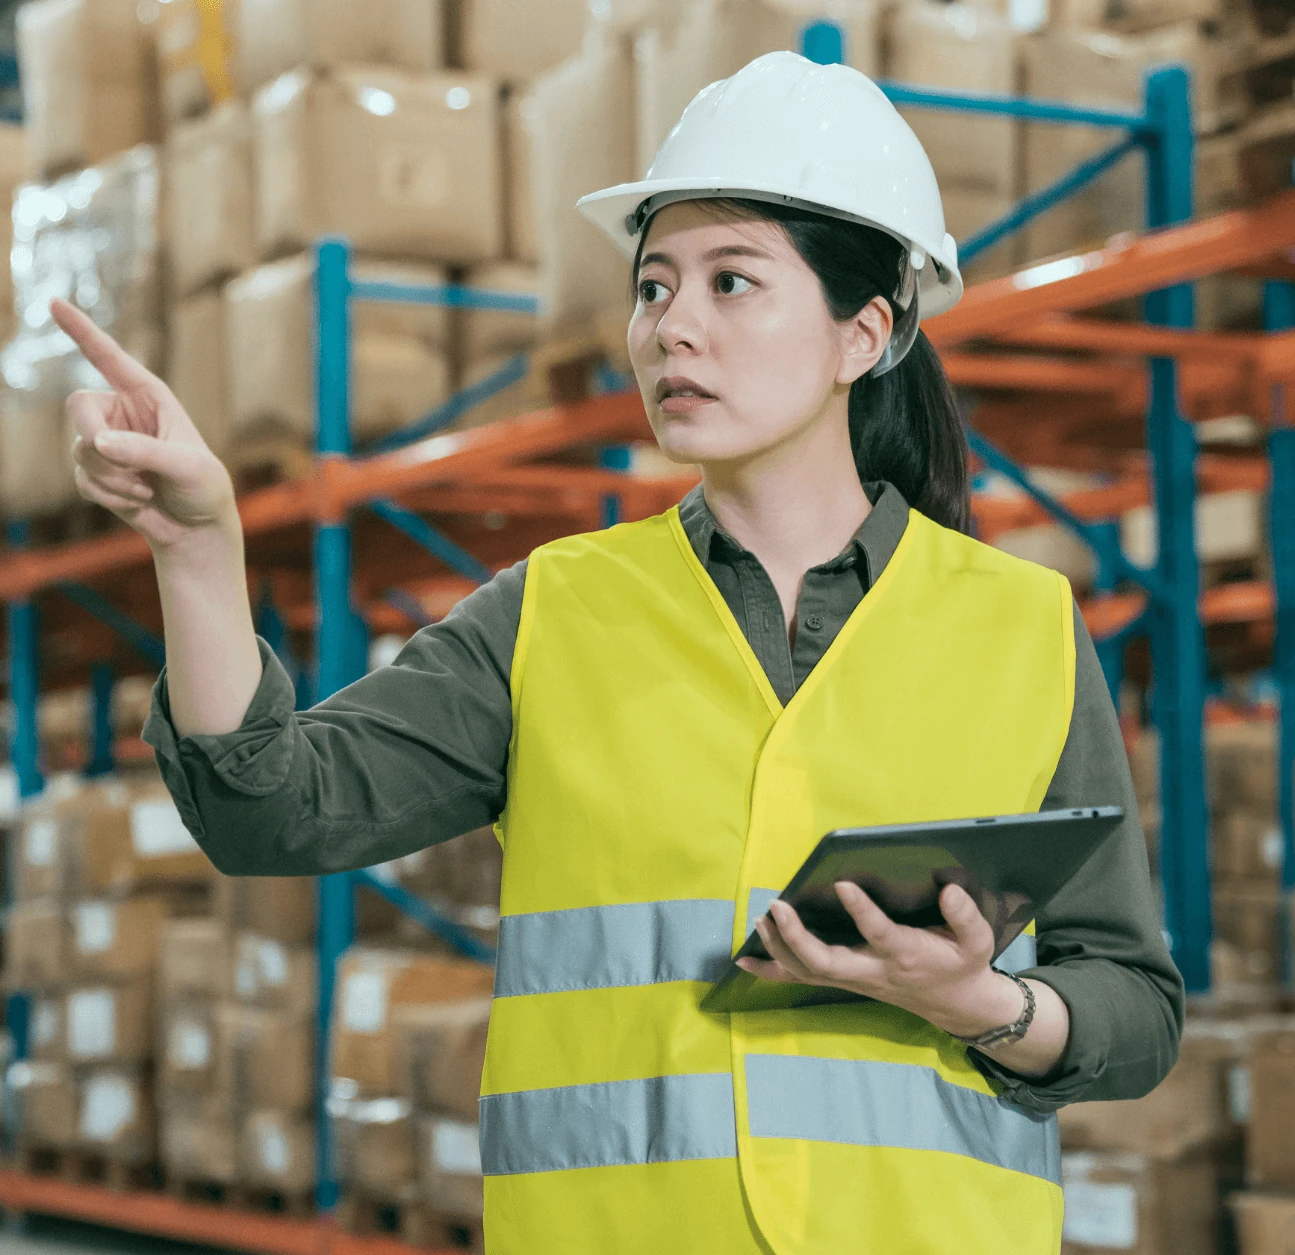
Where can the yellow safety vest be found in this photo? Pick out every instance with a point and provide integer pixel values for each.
(659, 795)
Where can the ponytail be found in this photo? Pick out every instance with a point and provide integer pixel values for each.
(904, 426)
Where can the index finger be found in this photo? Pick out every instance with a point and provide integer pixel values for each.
(117, 366)
(878, 929)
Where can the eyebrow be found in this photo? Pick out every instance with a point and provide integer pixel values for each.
(728, 250)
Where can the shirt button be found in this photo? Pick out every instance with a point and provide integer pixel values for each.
(814, 623)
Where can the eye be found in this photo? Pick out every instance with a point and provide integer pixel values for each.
(729, 284)
(651, 292)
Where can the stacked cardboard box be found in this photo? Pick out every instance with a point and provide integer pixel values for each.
(408, 1047)
(1150, 1175)
(236, 1040)
(98, 875)
(1265, 1213)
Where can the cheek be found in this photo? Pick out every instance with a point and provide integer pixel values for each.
(779, 368)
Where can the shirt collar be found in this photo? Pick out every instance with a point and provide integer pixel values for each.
(875, 542)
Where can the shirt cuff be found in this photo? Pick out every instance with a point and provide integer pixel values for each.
(1085, 1055)
(254, 759)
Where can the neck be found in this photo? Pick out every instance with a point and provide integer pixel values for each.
(794, 507)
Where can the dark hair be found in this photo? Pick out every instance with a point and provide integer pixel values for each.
(904, 426)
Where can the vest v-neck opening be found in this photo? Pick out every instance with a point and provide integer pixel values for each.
(743, 646)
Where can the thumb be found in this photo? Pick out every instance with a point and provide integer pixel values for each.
(139, 452)
(970, 928)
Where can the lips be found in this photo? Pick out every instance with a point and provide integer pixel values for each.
(680, 386)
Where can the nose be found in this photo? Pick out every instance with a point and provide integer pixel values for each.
(682, 328)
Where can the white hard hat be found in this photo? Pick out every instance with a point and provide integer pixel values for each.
(821, 137)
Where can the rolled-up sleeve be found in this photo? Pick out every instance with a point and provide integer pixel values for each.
(1100, 944)
(411, 754)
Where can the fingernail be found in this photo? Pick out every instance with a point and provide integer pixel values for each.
(107, 440)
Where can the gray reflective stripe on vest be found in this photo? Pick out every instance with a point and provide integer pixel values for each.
(757, 904)
(895, 1104)
(618, 1122)
(1021, 955)
(598, 947)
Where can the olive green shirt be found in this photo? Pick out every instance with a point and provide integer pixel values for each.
(417, 752)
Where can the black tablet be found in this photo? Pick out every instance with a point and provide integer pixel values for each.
(1012, 865)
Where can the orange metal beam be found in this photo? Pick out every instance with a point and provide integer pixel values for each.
(139, 1211)
(1101, 336)
(1242, 602)
(1122, 269)
(1024, 373)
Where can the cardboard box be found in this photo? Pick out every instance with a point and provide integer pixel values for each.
(116, 1116)
(1136, 15)
(396, 379)
(196, 1143)
(1202, 1102)
(37, 858)
(449, 1167)
(263, 1059)
(1230, 527)
(47, 1100)
(195, 48)
(491, 331)
(115, 939)
(375, 1147)
(272, 974)
(1245, 845)
(371, 985)
(444, 1047)
(402, 165)
(13, 171)
(1241, 760)
(124, 839)
(186, 1045)
(283, 908)
(1270, 1150)
(278, 35)
(35, 472)
(1246, 922)
(1137, 1205)
(968, 210)
(46, 1030)
(963, 47)
(110, 1023)
(572, 133)
(209, 202)
(1051, 545)
(193, 959)
(277, 1152)
(86, 82)
(512, 38)
(36, 945)
(1265, 1223)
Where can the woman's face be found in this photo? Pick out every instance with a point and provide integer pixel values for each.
(733, 346)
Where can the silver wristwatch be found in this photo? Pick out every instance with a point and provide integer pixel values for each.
(1008, 1032)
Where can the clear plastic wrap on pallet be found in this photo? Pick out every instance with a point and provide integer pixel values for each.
(90, 237)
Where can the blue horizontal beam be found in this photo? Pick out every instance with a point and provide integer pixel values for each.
(452, 294)
(1032, 206)
(426, 915)
(1012, 106)
(514, 370)
(131, 631)
(435, 542)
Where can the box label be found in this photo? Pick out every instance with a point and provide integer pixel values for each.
(40, 842)
(273, 961)
(276, 1156)
(190, 1044)
(1101, 1215)
(44, 1025)
(456, 1148)
(107, 1107)
(364, 1002)
(95, 926)
(157, 830)
(413, 176)
(1239, 1093)
(91, 1024)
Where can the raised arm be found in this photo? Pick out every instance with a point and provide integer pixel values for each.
(409, 755)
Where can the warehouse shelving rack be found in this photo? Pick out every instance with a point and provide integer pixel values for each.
(1015, 344)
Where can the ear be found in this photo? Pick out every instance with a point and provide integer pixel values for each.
(863, 340)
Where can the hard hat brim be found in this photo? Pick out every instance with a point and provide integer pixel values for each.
(611, 208)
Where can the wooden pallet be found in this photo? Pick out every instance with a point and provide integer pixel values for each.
(86, 1168)
(415, 1223)
(242, 1197)
(1265, 148)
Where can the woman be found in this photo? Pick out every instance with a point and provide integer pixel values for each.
(665, 717)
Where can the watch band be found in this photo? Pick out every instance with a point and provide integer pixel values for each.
(1007, 1032)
